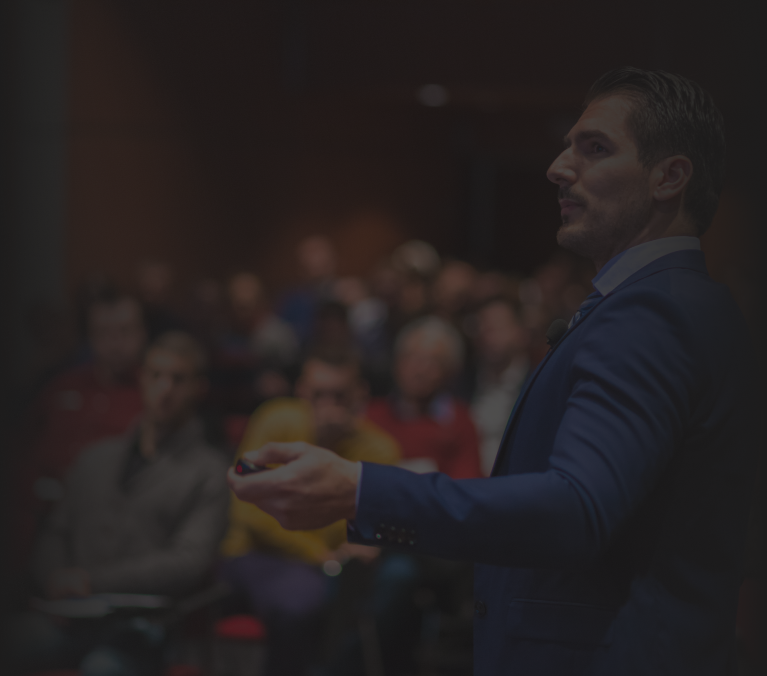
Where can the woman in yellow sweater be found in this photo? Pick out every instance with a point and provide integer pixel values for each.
(279, 571)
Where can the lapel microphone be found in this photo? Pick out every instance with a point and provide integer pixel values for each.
(556, 331)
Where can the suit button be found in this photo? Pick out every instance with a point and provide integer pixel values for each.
(480, 609)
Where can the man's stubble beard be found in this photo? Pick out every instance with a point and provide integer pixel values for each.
(598, 235)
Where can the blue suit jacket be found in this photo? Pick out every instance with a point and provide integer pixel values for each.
(609, 539)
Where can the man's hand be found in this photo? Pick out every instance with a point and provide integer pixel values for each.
(311, 489)
(68, 582)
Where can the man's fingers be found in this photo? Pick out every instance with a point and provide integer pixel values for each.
(277, 453)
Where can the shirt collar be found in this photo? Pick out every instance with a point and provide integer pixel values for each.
(619, 268)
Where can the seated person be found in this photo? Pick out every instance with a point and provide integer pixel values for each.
(436, 433)
(98, 399)
(278, 571)
(503, 364)
(141, 513)
(79, 407)
(433, 428)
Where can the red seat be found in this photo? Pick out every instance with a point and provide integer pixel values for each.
(240, 628)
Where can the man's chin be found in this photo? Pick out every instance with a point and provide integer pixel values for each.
(576, 238)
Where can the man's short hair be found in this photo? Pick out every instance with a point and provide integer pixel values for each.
(672, 115)
(434, 330)
(184, 346)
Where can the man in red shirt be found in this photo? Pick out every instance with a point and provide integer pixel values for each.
(82, 405)
(433, 428)
(98, 399)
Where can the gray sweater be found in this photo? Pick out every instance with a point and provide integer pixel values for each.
(156, 533)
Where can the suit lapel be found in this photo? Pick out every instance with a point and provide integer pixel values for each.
(690, 259)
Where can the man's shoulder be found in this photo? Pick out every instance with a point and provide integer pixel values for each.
(101, 456)
(681, 296)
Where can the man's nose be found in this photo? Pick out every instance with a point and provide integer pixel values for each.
(561, 170)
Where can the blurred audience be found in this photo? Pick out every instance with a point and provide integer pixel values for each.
(502, 365)
(445, 348)
(279, 572)
(434, 429)
(141, 513)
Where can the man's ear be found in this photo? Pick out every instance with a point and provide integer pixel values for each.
(670, 178)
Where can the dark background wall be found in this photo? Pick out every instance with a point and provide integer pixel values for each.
(214, 135)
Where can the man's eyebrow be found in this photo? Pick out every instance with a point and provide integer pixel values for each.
(586, 135)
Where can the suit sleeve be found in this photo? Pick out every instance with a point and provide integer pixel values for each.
(632, 388)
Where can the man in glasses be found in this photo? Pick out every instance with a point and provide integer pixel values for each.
(279, 573)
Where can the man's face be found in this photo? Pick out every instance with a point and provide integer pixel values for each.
(604, 192)
(499, 335)
(336, 396)
(117, 336)
(422, 367)
(170, 387)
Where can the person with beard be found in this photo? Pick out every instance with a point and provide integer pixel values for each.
(610, 537)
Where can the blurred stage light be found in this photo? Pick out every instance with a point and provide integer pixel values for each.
(332, 568)
(433, 95)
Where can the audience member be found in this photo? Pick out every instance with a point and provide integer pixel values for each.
(367, 318)
(331, 328)
(277, 571)
(270, 339)
(502, 365)
(433, 428)
(142, 513)
(154, 286)
(452, 292)
(317, 262)
(98, 399)
(255, 355)
(417, 264)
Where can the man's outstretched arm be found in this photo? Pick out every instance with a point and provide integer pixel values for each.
(631, 392)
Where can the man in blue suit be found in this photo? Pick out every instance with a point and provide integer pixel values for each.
(610, 536)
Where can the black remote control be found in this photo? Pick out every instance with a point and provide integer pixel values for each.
(244, 467)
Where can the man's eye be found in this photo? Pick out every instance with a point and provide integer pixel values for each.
(599, 148)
